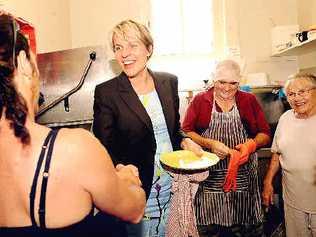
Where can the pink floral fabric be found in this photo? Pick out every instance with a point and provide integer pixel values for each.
(182, 221)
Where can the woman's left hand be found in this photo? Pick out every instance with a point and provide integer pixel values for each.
(188, 144)
(246, 149)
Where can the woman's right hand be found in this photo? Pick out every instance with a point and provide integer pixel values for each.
(128, 173)
(219, 148)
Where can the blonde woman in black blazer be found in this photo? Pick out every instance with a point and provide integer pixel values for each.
(121, 121)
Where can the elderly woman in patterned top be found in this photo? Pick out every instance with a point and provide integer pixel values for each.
(231, 124)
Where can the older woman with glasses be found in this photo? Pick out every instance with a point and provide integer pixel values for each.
(294, 149)
(230, 123)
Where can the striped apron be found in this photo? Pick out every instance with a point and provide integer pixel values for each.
(212, 204)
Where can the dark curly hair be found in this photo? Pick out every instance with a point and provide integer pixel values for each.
(11, 101)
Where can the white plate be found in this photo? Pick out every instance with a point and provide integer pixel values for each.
(187, 160)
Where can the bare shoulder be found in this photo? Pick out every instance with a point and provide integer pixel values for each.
(77, 137)
(86, 160)
(80, 143)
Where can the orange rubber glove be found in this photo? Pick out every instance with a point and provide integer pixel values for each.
(246, 149)
(230, 179)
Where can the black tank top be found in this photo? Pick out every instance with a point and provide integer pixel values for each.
(81, 228)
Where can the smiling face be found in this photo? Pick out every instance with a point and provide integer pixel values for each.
(226, 83)
(301, 95)
(131, 53)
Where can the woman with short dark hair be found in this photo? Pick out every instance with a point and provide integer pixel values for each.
(50, 180)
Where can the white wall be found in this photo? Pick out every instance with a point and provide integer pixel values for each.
(50, 18)
(306, 13)
(253, 20)
(307, 18)
(65, 24)
(91, 21)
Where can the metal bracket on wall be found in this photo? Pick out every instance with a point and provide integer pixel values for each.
(66, 96)
(66, 104)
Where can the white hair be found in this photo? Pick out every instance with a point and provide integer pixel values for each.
(301, 76)
(225, 67)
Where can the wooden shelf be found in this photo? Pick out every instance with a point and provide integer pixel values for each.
(299, 49)
(253, 89)
(265, 89)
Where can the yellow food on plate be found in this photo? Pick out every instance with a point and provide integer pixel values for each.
(188, 160)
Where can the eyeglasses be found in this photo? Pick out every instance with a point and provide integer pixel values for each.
(15, 29)
(301, 93)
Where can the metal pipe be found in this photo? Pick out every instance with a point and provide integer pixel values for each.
(64, 97)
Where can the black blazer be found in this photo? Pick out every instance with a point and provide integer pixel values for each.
(123, 126)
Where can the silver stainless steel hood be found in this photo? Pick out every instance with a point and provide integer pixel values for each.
(72, 75)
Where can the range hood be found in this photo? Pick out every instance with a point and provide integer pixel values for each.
(68, 80)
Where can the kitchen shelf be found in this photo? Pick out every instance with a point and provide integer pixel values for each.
(265, 89)
(299, 49)
(253, 89)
